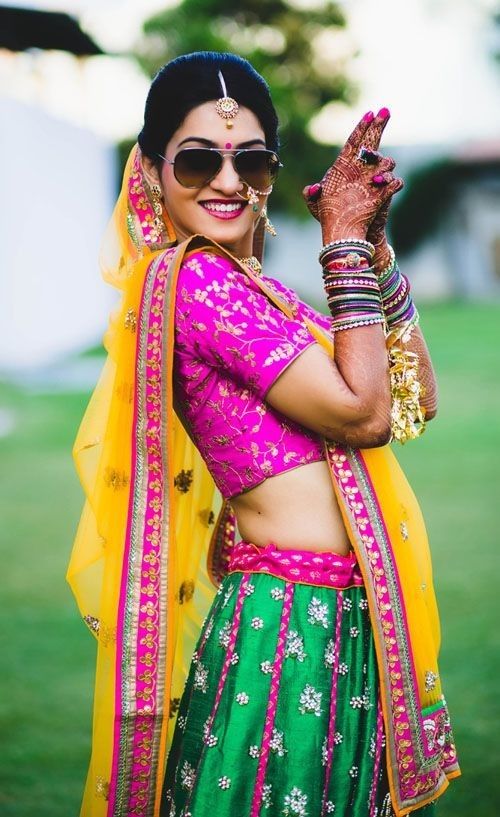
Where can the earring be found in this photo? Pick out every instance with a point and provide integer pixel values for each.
(268, 225)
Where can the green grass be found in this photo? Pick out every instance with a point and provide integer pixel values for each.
(48, 655)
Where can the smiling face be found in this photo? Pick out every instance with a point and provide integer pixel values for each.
(215, 210)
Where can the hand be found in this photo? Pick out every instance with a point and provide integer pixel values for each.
(353, 190)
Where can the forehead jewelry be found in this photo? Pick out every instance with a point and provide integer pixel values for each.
(226, 106)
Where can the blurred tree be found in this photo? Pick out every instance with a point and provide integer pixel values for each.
(292, 47)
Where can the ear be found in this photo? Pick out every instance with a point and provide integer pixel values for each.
(150, 171)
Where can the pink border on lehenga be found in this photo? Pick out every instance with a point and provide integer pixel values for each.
(272, 701)
(330, 739)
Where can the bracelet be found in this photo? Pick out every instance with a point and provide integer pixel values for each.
(350, 261)
(354, 244)
(353, 298)
(397, 302)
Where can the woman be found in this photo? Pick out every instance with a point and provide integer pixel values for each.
(293, 671)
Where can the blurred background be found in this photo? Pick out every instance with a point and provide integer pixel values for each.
(73, 80)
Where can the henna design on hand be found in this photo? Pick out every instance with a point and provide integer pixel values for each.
(349, 199)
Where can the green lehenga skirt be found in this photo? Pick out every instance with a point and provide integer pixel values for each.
(281, 714)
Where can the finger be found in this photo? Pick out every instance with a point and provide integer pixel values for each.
(381, 179)
(386, 163)
(313, 191)
(353, 143)
(369, 157)
(374, 134)
(394, 187)
(311, 200)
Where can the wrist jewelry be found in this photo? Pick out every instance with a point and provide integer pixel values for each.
(353, 297)
(347, 245)
(397, 302)
(407, 415)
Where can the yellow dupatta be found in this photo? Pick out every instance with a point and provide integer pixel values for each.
(148, 554)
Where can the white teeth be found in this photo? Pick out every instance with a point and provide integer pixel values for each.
(222, 208)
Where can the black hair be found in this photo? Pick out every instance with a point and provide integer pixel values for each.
(192, 79)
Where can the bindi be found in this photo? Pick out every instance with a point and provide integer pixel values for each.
(228, 145)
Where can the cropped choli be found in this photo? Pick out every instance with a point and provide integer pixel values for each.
(231, 345)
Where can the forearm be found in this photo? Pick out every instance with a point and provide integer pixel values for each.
(353, 297)
(361, 360)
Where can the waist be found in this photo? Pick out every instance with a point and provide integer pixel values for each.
(320, 568)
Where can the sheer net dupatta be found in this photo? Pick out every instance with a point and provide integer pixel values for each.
(138, 566)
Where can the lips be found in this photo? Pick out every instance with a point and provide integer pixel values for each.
(223, 209)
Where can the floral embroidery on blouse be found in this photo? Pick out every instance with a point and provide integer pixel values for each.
(231, 345)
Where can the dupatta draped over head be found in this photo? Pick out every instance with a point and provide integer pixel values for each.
(155, 536)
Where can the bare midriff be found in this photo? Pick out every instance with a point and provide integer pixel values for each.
(294, 509)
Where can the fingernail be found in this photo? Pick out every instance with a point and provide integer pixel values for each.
(384, 113)
(368, 116)
(314, 190)
(378, 179)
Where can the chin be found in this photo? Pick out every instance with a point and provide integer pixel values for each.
(227, 236)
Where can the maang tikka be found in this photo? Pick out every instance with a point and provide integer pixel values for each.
(226, 106)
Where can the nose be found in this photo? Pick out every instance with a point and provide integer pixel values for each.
(227, 180)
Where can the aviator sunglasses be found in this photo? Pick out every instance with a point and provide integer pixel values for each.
(195, 167)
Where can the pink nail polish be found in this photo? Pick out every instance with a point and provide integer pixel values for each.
(378, 179)
(368, 116)
(384, 113)
(313, 190)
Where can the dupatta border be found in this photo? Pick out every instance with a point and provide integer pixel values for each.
(419, 744)
(142, 619)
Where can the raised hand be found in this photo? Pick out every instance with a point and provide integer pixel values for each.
(357, 186)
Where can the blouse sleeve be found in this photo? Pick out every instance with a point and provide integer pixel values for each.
(223, 320)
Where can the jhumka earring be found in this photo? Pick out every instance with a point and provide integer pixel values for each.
(226, 106)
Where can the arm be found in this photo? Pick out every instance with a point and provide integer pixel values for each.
(376, 234)
(347, 399)
(228, 323)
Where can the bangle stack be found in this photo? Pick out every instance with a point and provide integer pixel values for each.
(397, 302)
(347, 253)
(351, 285)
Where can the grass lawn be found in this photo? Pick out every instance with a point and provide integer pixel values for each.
(48, 654)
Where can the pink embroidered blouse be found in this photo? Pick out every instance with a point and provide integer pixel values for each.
(231, 344)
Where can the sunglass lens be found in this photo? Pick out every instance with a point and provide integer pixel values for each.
(194, 167)
(258, 168)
